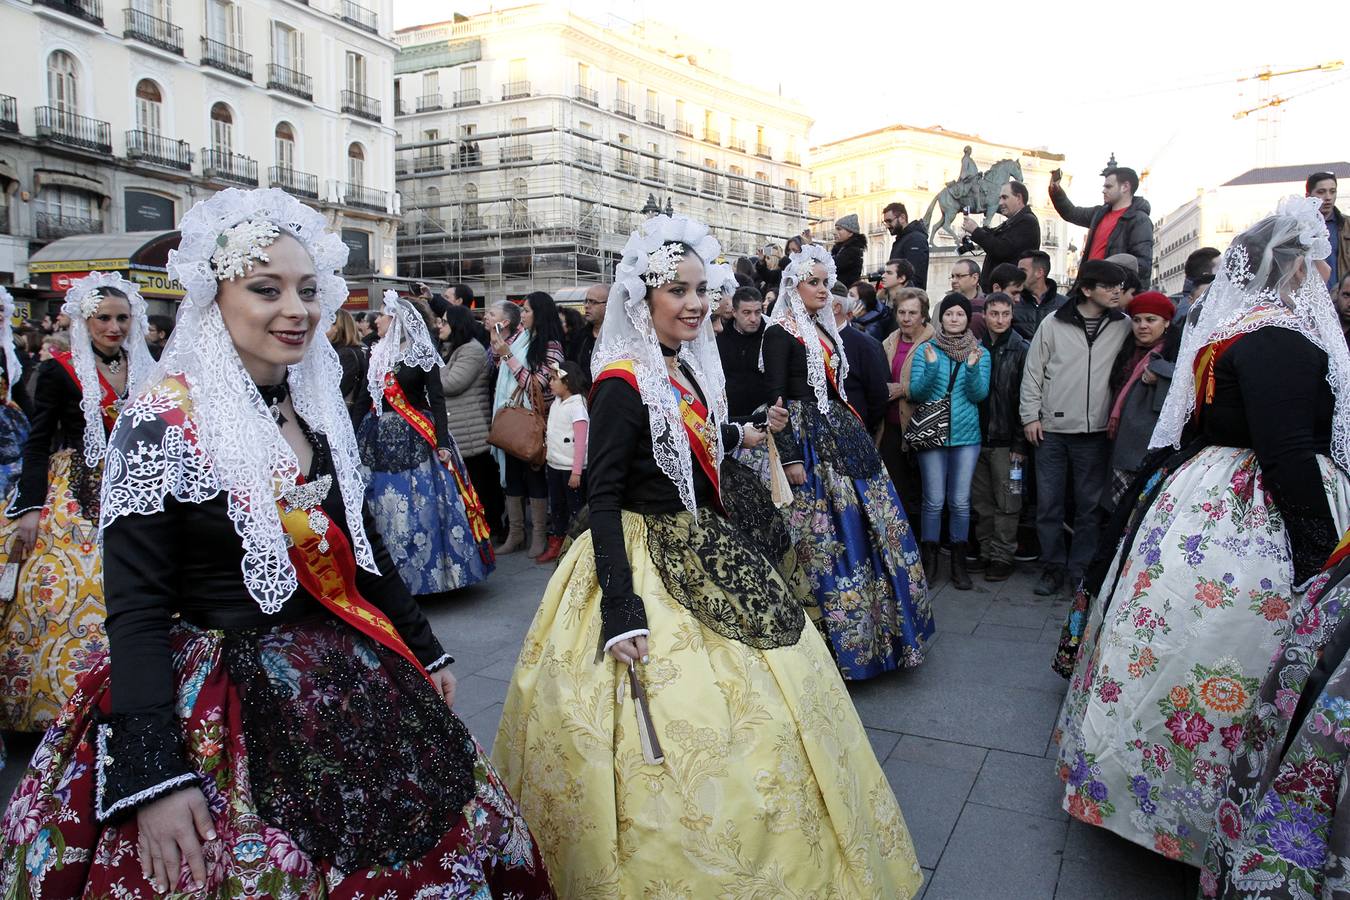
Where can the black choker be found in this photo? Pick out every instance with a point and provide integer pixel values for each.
(112, 360)
(667, 352)
(274, 395)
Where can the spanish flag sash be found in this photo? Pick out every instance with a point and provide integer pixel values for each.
(1341, 552)
(422, 424)
(699, 428)
(109, 403)
(828, 353)
(1208, 357)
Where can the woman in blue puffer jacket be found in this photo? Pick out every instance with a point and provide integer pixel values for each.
(951, 361)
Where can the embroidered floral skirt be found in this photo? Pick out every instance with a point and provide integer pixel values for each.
(51, 632)
(1280, 830)
(13, 435)
(54, 847)
(856, 545)
(418, 509)
(1174, 649)
(769, 786)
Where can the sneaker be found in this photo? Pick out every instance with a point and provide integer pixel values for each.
(1028, 549)
(976, 563)
(999, 570)
(1051, 583)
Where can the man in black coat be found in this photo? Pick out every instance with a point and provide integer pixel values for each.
(1019, 232)
(867, 369)
(850, 246)
(738, 346)
(1120, 225)
(1040, 295)
(995, 493)
(911, 242)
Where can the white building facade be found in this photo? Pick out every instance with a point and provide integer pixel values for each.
(116, 120)
(530, 139)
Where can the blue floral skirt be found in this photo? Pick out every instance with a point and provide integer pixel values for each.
(418, 509)
(856, 545)
(13, 435)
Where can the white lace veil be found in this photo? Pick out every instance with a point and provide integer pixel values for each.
(237, 446)
(1260, 269)
(796, 321)
(407, 341)
(627, 333)
(82, 301)
(13, 368)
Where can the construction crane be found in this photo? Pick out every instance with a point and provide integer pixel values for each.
(1267, 111)
(1333, 66)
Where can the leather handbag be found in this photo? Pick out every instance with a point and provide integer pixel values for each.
(521, 431)
(931, 425)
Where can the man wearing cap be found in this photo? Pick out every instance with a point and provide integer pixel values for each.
(850, 245)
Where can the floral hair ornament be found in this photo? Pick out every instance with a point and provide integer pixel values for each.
(240, 245)
(721, 284)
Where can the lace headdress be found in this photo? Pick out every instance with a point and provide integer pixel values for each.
(235, 444)
(13, 368)
(82, 303)
(406, 341)
(650, 259)
(796, 321)
(1258, 286)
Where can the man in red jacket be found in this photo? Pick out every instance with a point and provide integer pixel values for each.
(1120, 225)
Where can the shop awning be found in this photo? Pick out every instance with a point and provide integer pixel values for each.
(140, 255)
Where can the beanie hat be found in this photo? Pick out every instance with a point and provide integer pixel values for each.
(1151, 302)
(954, 299)
(849, 222)
(1127, 261)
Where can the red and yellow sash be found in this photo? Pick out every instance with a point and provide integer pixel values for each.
(699, 428)
(1207, 359)
(108, 401)
(828, 352)
(1341, 552)
(422, 424)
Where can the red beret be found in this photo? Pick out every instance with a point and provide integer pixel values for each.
(1151, 302)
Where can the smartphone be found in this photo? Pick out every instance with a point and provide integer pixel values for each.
(497, 329)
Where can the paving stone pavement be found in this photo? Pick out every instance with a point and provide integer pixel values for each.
(964, 740)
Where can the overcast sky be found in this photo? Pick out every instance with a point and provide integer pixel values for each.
(1157, 85)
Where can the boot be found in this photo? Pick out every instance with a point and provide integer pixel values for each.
(960, 577)
(515, 535)
(539, 524)
(928, 552)
(553, 552)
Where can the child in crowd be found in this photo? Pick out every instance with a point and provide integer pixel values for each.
(568, 425)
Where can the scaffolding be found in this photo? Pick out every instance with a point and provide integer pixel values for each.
(550, 206)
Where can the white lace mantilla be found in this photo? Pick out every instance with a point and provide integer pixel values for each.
(13, 368)
(406, 341)
(799, 323)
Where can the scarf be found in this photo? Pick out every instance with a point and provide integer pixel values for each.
(1113, 423)
(506, 386)
(958, 348)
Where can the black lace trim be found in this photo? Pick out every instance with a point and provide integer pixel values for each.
(85, 483)
(750, 508)
(620, 615)
(840, 439)
(1312, 538)
(712, 570)
(139, 759)
(360, 765)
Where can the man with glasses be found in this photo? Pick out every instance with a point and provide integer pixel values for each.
(911, 242)
(597, 298)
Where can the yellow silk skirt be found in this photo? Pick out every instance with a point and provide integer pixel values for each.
(769, 788)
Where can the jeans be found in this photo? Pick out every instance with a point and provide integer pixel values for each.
(523, 480)
(563, 502)
(996, 506)
(947, 473)
(1065, 462)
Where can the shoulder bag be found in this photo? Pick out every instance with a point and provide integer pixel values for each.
(931, 425)
(520, 430)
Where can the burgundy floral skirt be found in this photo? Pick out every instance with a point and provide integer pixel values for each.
(53, 846)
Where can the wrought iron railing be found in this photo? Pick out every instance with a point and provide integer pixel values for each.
(289, 81)
(51, 226)
(468, 97)
(359, 104)
(587, 95)
(513, 90)
(364, 197)
(301, 184)
(234, 168)
(63, 127)
(428, 162)
(358, 15)
(158, 149)
(712, 136)
(684, 128)
(88, 10)
(656, 118)
(429, 102)
(516, 150)
(156, 32)
(9, 114)
(763, 151)
(219, 55)
(626, 109)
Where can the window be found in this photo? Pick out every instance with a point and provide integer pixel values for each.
(157, 8)
(621, 90)
(62, 211)
(432, 206)
(583, 75)
(468, 78)
(62, 82)
(149, 102)
(225, 22)
(285, 145)
(356, 73)
(431, 84)
(356, 165)
(517, 71)
(222, 129)
(653, 102)
(288, 47)
(520, 205)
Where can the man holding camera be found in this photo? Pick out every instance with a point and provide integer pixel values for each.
(1019, 232)
(1120, 225)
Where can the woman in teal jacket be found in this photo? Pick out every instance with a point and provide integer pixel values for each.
(952, 360)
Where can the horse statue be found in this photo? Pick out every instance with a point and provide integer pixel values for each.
(977, 195)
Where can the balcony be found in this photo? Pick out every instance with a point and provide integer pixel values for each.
(654, 173)
(684, 180)
(428, 162)
(146, 28)
(763, 151)
(711, 185)
(712, 136)
(9, 114)
(587, 95)
(231, 168)
(358, 104)
(358, 15)
(51, 226)
(364, 197)
(468, 97)
(430, 102)
(62, 127)
(88, 10)
(588, 156)
(289, 81)
(626, 109)
(736, 191)
(516, 150)
(222, 56)
(627, 165)
(684, 128)
(146, 146)
(762, 196)
(514, 90)
(300, 184)
(656, 118)
(737, 144)
(792, 158)
(467, 156)
(400, 107)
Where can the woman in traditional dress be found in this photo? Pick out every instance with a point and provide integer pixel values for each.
(1218, 545)
(675, 727)
(276, 719)
(51, 633)
(852, 536)
(420, 494)
(13, 422)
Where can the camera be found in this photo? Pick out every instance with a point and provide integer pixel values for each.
(965, 245)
